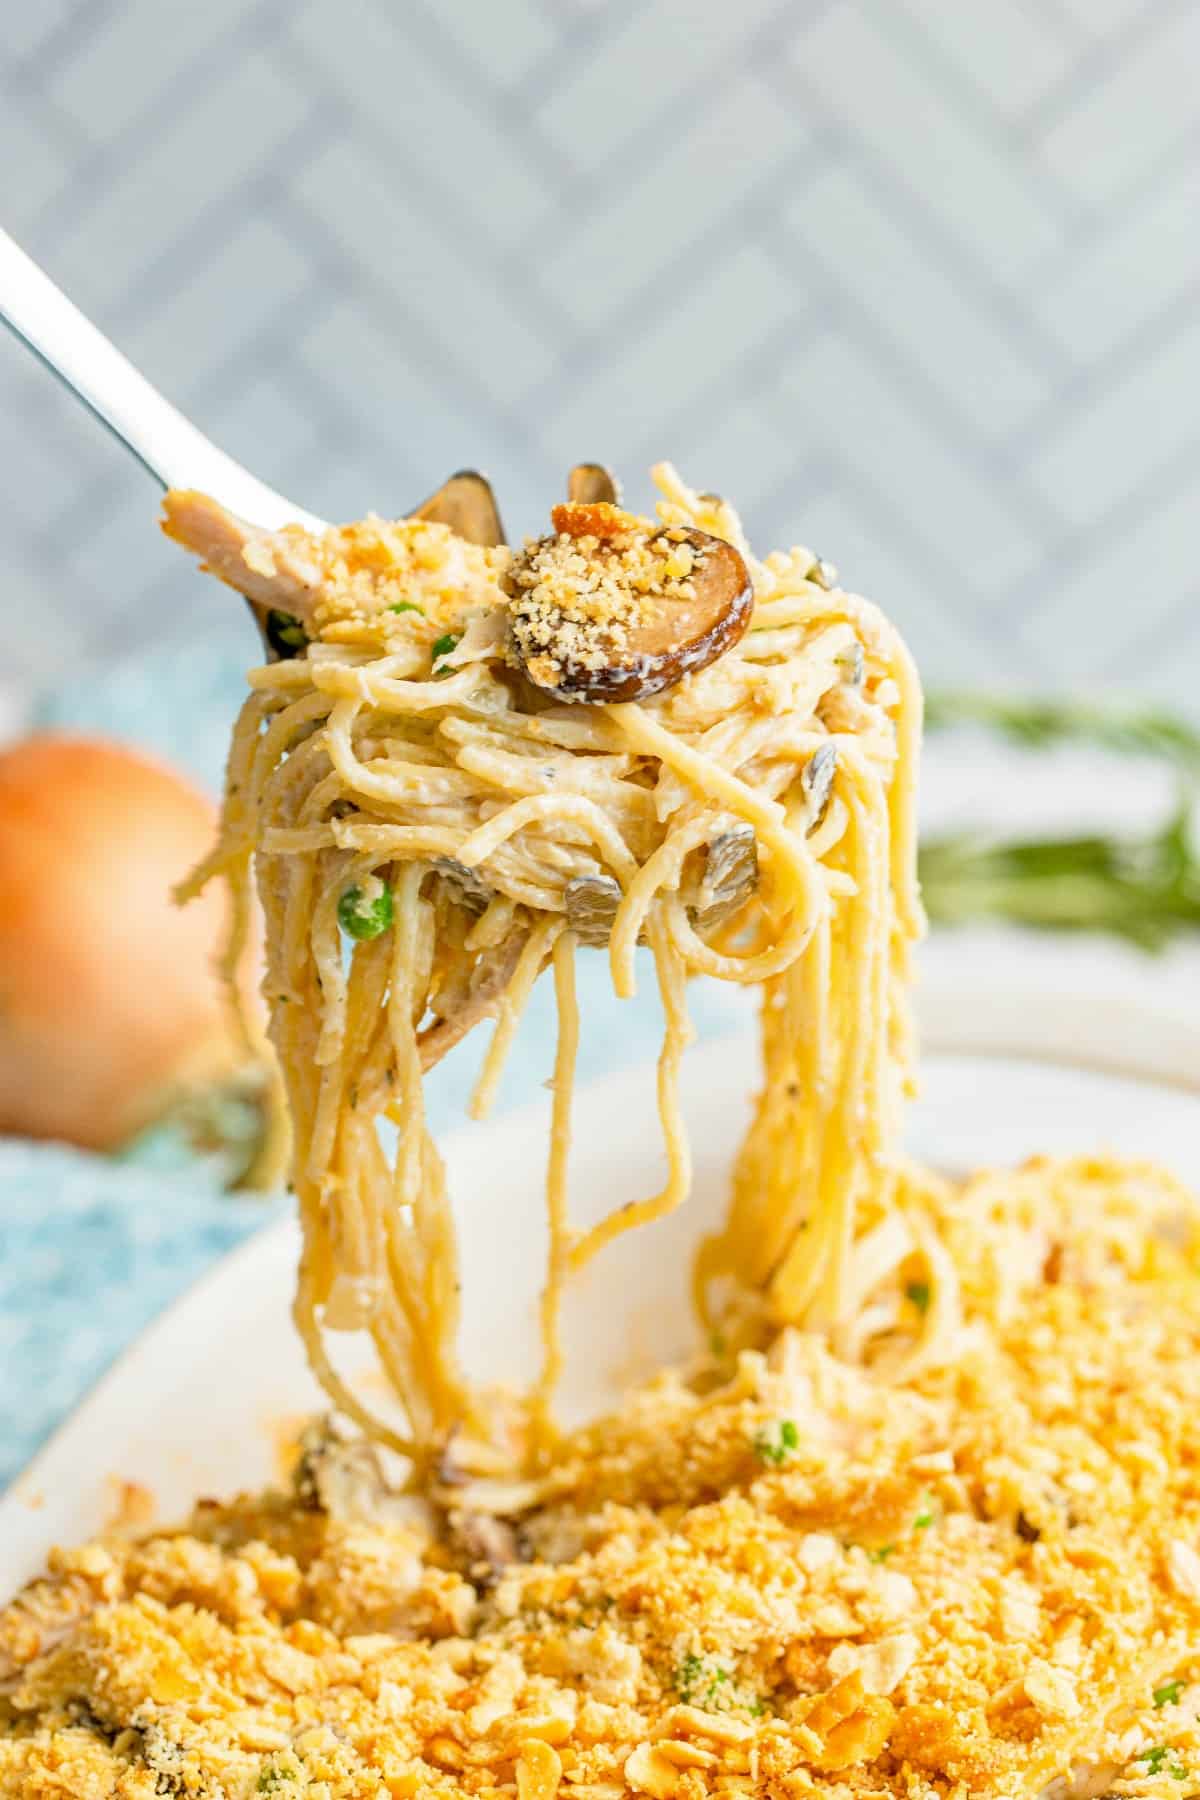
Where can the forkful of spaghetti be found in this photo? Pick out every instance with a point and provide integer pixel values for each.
(606, 607)
(466, 763)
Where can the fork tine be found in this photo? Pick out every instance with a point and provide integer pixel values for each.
(589, 483)
(465, 502)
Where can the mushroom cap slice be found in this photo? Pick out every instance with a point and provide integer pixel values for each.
(591, 903)
(730, 876)
(816, 779)
(612, 634)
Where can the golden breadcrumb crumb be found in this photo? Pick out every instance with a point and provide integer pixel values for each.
(399, 581)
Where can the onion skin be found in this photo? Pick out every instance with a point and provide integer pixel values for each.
(110, 1004)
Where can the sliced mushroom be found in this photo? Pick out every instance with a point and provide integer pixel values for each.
(610, 637)
(488, 979)
(343, 1478)
(730, 876)
(491, 1544)
(469, 887)
(816, 779)
(853, 664)
(592, 902)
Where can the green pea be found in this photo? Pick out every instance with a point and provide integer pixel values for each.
(364, 916)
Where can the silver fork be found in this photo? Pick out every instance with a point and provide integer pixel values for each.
(166, 444)
(176, 453)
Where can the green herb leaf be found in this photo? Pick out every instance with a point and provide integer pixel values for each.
(920, 1293)
(1168, 1694)
(698, 1677)
(704, 1681)
(403, 606)
(364, 915)
(285, 634)
(881, 1555)
(923, 1520)
(774, 1443)
(1144, 889)
(687, 1674)
(1154, 1761)
(441, 649)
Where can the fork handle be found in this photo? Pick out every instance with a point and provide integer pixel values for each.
(166, 444)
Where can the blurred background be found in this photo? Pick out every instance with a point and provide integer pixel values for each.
(914, 281)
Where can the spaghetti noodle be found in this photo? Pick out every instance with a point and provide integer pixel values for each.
(753, 823)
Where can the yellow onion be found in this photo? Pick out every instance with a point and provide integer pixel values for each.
(110, 1005)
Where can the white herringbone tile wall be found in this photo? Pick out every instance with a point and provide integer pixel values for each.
(915, 280)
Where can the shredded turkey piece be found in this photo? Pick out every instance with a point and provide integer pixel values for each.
(778, 1578)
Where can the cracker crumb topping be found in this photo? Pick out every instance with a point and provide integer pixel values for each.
(388, 581)
(668, 1613)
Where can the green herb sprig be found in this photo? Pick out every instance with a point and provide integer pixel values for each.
(1144, 888)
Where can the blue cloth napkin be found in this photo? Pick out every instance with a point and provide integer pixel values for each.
(90, 1251)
